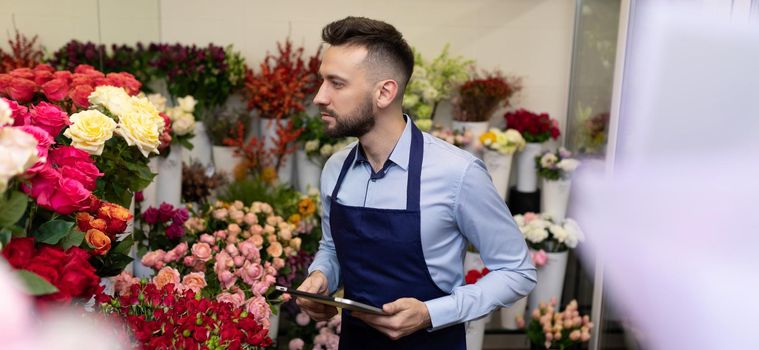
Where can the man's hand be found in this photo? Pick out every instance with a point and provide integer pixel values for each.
(316, 282)
(406, 316)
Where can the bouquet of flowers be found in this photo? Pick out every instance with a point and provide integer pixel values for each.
(558, 330)
(282, 87)
(327, 334)
(318, 146)
(455, 137)
(167, 313)
(198, 182)
(502, 142)
(556, 165)
(432, 82)
(227, 123)
(479, 98)
(543, 233)
(160, 228)
(534, 127)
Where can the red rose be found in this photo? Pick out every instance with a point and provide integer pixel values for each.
(79, 94)
(50, 118)
(42, 76)
(83, 221)
(125, 80)
(56, 89)
(47, 272)
(84, 69)
(43, 67)
(22, 90)
(49, 255)
(19, 252)
(22, 73)
(62, 74)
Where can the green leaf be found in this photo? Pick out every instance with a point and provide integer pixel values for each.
(35, 284)
(52, 232)
(124, 246)
(111, 264)
(74, 239)
(5, 237)
(12, 208)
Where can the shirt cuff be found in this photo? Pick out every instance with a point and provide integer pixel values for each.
(331, 278)
(443, 312)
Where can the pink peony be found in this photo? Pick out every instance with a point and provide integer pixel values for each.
(220, 214)
(223, 261)
(232, 250)
(257, 240)
(234, 229)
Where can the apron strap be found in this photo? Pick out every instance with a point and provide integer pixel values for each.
(416, 155)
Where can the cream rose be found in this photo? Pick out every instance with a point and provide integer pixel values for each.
(158, 101)
(165, 276)
(187, 103)
(183, 124)
(6, 114)
(90, 130)
(114, 99)
(18, 152)
(141, 126)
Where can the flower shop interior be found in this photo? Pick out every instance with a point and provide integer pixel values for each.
(160, 166)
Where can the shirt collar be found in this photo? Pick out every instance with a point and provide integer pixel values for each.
(400, 154)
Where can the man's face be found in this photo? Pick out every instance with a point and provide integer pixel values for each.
(345, 95)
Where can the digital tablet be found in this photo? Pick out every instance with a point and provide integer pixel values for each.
(334, 301)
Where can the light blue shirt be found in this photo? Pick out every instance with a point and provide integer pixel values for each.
(459, 204)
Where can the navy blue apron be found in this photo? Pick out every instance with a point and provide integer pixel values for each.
(381, 260)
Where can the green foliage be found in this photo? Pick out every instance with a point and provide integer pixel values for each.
(284, 199)
(126, 172)
(12, 207)
(53, 231)
(34, 284)
(114, 262)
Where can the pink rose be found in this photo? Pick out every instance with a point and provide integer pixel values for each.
(539, 258)
(176, 253)
(75, 164)
(257, 240)
(250, 219)
(234, 229)
(165, 276)
(22, 90)
(235, 299)
(236, 216)
(44, 141)
(279, 263)
(194, 281)
(56, 89)
(206, 238)
(201, 251)
(256, 229)
(249, 250)
(239, 260)
(62, 195)
(227, 279)
(251, 273)
(154, 259)
(232, 250)
(123, 282)
(223, 262)
(274, 250)
(296, 344)
(302, 319)
(258, 307)
(529, 216)
(49, 117)
(220, 214)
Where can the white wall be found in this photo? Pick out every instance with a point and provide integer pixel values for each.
(529, 38)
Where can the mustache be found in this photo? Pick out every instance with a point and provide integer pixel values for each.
(326, 111)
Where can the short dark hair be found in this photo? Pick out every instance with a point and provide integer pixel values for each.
(384, 43)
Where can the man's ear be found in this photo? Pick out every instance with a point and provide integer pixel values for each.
(388, 91)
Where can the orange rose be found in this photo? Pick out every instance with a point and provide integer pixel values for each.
(294, 219)
(275, 250)
(306, 206)
(98, 224)
(113, 211)
(98, 240)
(83, 221)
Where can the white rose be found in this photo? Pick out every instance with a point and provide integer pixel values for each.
(559, 233)
(6, 114)
(158, 101)
(311, 146)
(568, 165)
(535, 234)
(18, 152)
(114, 99)
(548, 160)
(184, 124)
(326, 150)
(187, 103)
(574, 233)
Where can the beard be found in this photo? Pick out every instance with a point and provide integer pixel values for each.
(356, 123)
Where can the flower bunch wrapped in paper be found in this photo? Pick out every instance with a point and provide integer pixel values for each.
(556, 165)
(182, 118)
(544, 233)
(558, 330)
(455, 137)
(504, 142)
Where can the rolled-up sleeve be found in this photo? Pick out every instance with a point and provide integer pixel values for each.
(484, 219)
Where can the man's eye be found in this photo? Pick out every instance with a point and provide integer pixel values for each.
(337, 84)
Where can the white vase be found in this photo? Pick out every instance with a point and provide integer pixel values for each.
(169, 177)
(269, 129)
(309, 171)
(477, 129)
(150, 193)
(554, 198)
(224, 160)
(509, 314)
(274, 322)
(201, 147)
(527, 176)
(550, 280)
(473, 261)
(499, 168)
(475, 332)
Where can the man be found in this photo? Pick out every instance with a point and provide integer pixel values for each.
(400, 206)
